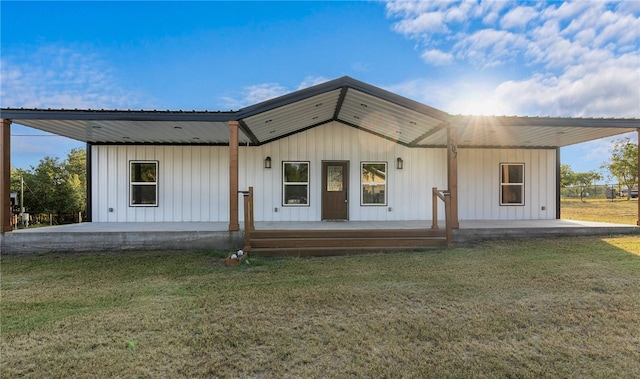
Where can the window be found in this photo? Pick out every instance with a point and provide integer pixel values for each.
(374, 183)
(295, 183)
(144, 183)
(511, 184)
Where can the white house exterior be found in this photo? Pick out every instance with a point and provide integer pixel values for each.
(341, 150)
(192, 180)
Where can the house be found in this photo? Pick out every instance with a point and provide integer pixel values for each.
(341, 150)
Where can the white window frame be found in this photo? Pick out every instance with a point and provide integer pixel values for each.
(373, 183)
(503, 184)
(285, 184)
(132, 183)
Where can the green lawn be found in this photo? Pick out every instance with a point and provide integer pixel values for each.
(619, 211)
(558, 307)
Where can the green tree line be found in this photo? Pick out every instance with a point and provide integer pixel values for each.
(54, 186)
(622, 165)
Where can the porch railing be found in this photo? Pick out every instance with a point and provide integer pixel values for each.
(445, 196)
(249, 226)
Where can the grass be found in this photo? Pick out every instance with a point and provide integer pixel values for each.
(619, 211)
(564, 307)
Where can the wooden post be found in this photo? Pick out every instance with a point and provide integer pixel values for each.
(233, 176)
(452, 173)
(638, 221)
(248, 218)
(434, 208)
(5, 176)
(449, 219)
(251, 224)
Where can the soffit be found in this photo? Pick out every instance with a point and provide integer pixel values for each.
(126, 131)
(293, 117)
(385, 118)
(529, 132)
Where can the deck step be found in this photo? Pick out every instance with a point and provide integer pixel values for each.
(346, 233)
(329, 251)
(342, 242)
(334, 242)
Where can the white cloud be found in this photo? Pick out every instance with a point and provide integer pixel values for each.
(61, 77)
(610, 91)
(518, 18)
(262, 92)
(437, 57)
(490, 47)
(311, 81)
(423, 23)
(258, 93)
(582, 58)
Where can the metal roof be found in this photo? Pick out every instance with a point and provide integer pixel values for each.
(346, 100)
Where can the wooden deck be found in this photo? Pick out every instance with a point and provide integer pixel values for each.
(333, 241)
(346, 241)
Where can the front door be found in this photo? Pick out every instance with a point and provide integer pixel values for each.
(335, 179)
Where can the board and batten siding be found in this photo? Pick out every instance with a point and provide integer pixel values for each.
(193, 181)
(408, 190)
(479, 184)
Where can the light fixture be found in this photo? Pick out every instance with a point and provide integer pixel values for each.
(267, 162)
(399, 163)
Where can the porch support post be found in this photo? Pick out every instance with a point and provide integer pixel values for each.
(638, 221)
(452, 173)
(89, 198)
(5, 176)
(558, 181)
(233, 176)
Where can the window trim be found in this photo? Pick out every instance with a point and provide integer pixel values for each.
(386, 184)
(132, 183)
(503, 184)
(307, 183)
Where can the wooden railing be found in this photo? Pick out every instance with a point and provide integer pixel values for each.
(445, 196)
(249, 226)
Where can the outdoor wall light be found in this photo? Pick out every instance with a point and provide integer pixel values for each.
(399, 163)
(267, 162)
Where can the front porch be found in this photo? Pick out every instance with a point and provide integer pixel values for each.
(100, 237)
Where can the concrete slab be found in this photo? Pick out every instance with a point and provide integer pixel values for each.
(121, 236)
(473, 231)
(215, 236)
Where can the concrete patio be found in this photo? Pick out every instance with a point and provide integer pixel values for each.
(214, 235)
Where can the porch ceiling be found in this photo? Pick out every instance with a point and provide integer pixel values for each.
(343, 100)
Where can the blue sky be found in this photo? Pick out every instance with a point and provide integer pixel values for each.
(572, 59)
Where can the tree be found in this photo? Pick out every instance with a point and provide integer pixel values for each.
(580, 180)
(566, 176)
(584, 179)
(53, 186)
(623, 163)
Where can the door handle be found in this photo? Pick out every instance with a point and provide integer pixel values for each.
(346, 201)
